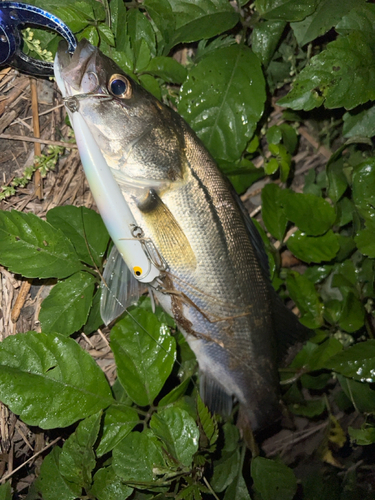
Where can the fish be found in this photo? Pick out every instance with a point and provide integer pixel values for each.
(212, 269)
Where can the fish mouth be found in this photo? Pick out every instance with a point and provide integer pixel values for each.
(77, 73)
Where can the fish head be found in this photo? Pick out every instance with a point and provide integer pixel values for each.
(138, 136)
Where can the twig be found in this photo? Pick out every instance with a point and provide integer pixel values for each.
(29, 459)
(64, 144)
(24, 290)
(38, 183)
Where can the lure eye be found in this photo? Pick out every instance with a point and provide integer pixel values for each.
(137, 270)
(119, 86)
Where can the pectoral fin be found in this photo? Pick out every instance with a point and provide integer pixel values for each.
(119, 288)
(167, 233)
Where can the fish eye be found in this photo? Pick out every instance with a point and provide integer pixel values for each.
(119, 86)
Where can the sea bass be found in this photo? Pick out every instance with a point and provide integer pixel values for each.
(213, 271)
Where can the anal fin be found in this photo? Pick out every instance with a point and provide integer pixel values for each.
(214, 396)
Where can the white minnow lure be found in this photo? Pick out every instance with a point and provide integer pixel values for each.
(112, 206)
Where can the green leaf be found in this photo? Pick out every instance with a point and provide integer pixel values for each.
(342, 75)
(322, 19)
(359, 393)
(311, 408)
(179, 432)
(265, 38)
(237, 490)
(361, 18)
(51, 484)
(365, 241)
(175, 394)
(273, 479)
(207, 422)
(109, 486)
(140, 30)
(167, 68)
(77, 459)
(356, 362)
(337, 180)
(225, 470)
(33, 248)
(151, 85)
(242, 174)
(304, 294)
(314, 248)
(290, 137)
(311, 214)
(67, 307)
(119, 420)
(272, 211)
(84, 228)
(223, 99)
(363, 186)
(6, 491)
(144, 353)
(363, 436)
(137, 458)
(319, 356)
(91, 34)
(72, 17)
(288, 10)
(106, 34)
(49, 380)
(201, 19)
(94, 320)
(359, 123)
(352, 316)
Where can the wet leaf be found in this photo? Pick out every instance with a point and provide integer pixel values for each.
(50, 482)
(273, 479)
(67, 307)
(118, 421)
(94, 320)
(339, 76)
(359, 123)
(311, 214)
(33, 248)
(357, 361)
(222, 99)
(144, 353)
(314, 248)
(359, 393)
(138, 458)
(178, 431)
(175, 394)
(288, 10)
(273, 213)
(226, 469)
(363, 185)
(109, 486)
(167, 68)
(265, 37)
(352, 316)
(304, 294)
(39, 370)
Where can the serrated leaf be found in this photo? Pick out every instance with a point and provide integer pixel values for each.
(273, 479)
(118, 421)
(273, 213)
(109, 486)
(178, 431)
(209, 425)
(314, 248)
(322, 19)
(138, 458)
(311, 214)
(304, 294)
(223, 99)
(49, 380)
(77, 459)
(67, 307)
(357, 362)
(167, 68)
(84, 228)
(225, 470)
(360, 123)
(288, 10)
(51, 484)
(33, 248)
(265, 38)
(342, 75)
(144, 353)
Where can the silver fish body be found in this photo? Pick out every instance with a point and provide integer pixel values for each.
(216, 284)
